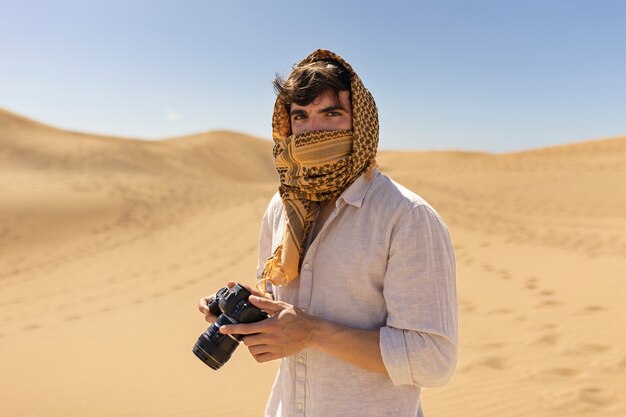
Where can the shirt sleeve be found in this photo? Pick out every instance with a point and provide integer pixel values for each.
(419, 342)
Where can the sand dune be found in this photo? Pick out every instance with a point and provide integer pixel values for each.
(106, 244)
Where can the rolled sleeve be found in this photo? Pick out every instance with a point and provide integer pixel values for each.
(393, 350)
(419, 342)
(417, 358)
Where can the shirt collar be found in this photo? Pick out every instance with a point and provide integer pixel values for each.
(356, 192)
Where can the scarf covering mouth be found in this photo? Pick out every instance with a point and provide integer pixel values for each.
(316, 166)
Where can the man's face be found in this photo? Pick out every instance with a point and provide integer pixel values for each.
(327, 112)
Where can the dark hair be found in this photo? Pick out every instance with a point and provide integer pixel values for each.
(308, 81)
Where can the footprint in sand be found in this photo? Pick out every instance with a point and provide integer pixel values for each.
(468, 262)
(497, 363)
(197, 261)
(593, 348)
(173, 267)
(548, 303)
(597, 396)
(499, 311)
(73, 317)
(550, 339)
(17, 300)
(466, 307)
(504, 274)
(490, 346)
(531, 283)
(593, 309)
(587, 349)
(588, 399)
(559, 373)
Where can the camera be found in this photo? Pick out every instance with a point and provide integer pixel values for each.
(231, 306)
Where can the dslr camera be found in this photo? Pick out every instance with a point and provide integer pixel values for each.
(231, 306)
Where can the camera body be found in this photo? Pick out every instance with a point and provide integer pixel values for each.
(231, 306)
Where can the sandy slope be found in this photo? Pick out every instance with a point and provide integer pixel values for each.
(106, 243)
(540, 239)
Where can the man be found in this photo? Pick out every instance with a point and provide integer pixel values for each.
(360, 270)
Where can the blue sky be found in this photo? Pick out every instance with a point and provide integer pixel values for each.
(475, 75)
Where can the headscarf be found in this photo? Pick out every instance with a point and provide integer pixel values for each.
(316, 166)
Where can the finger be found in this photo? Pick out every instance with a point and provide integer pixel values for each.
(259, 349)
(266, 304)
(266, 357)
(256, 339)
(252, 290)
(203, 304)
(231, 284)
(246, 328)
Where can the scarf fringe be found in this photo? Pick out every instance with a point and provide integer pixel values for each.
(273, 267)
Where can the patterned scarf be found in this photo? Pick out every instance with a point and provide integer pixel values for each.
(316, 166)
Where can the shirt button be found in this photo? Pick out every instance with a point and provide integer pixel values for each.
(299, 406)
(307, 265)
(300, 359)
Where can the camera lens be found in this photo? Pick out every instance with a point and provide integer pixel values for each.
(214, 348)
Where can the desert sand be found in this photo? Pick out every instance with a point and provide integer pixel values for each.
(107, 243)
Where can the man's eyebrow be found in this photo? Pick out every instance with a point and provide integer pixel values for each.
(293, 112)
(332, 108)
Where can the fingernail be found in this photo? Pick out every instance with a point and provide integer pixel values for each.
(223, 329)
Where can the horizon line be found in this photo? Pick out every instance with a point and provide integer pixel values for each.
(255, 136)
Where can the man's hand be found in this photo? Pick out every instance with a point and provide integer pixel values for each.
(203, 303)
(288, 331)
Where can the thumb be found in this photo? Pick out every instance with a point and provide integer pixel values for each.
(266, 304)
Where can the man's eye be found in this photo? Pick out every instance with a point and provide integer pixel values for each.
(333, 114)
(297, 117)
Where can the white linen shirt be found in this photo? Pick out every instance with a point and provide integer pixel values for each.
(383, 260)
